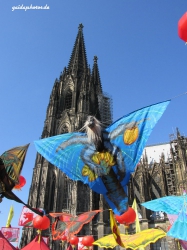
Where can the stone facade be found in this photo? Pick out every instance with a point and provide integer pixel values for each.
(75, 95)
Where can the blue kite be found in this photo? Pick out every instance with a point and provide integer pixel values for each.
(172, 205)
(104, 158)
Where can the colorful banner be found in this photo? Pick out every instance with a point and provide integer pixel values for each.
(11, 233)
(137, 222)
(26, 217)
(10, 216)
(115, 230)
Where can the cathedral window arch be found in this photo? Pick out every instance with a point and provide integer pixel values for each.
(64, 129)
(68, 99)
(66, 194)
(52, 193)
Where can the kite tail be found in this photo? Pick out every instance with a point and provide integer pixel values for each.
(10, 195)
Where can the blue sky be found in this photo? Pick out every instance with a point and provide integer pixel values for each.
(141, 61)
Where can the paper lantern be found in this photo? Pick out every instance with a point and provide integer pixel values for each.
(41, 222)
(88, 240)
(127, 218)
(182, 27)
(21, 183)
(63, 237)
(74, 240)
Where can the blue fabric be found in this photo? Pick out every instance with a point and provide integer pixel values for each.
(126, 139)
(172, 205)
(168, 204)
(179, 227)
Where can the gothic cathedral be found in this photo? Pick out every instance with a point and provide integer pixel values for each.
(75, 95)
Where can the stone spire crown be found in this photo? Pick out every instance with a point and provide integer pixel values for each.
(78, 61)
(95, 80)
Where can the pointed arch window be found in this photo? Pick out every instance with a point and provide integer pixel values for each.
(52, 193)
(68, 99)
(66, 194)
(64, 129)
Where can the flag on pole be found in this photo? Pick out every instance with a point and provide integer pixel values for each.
(115, 229)
(137, 222)
(11, 233)
(10, 216)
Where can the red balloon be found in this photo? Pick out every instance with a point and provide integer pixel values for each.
(21, 183)
(74, 240)
(88, 240)
(127, 218)
(182, 27)
(41, 223)
(63, 237)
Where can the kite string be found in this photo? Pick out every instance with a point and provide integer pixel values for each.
(179, 95)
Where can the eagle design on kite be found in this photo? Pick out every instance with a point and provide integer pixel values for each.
(104, 158)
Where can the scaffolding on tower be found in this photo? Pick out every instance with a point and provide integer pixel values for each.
(105, 108)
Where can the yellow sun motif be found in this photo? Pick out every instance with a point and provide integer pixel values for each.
(130, 135)
(104, 159)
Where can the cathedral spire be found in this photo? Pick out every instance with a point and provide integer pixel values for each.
(95, 79)
(78, 61)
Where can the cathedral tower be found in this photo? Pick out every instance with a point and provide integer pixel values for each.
(75, 95)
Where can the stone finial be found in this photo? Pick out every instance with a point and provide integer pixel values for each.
(81, 26)
(95, 59)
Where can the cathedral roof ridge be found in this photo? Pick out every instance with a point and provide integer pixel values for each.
(157, 144)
